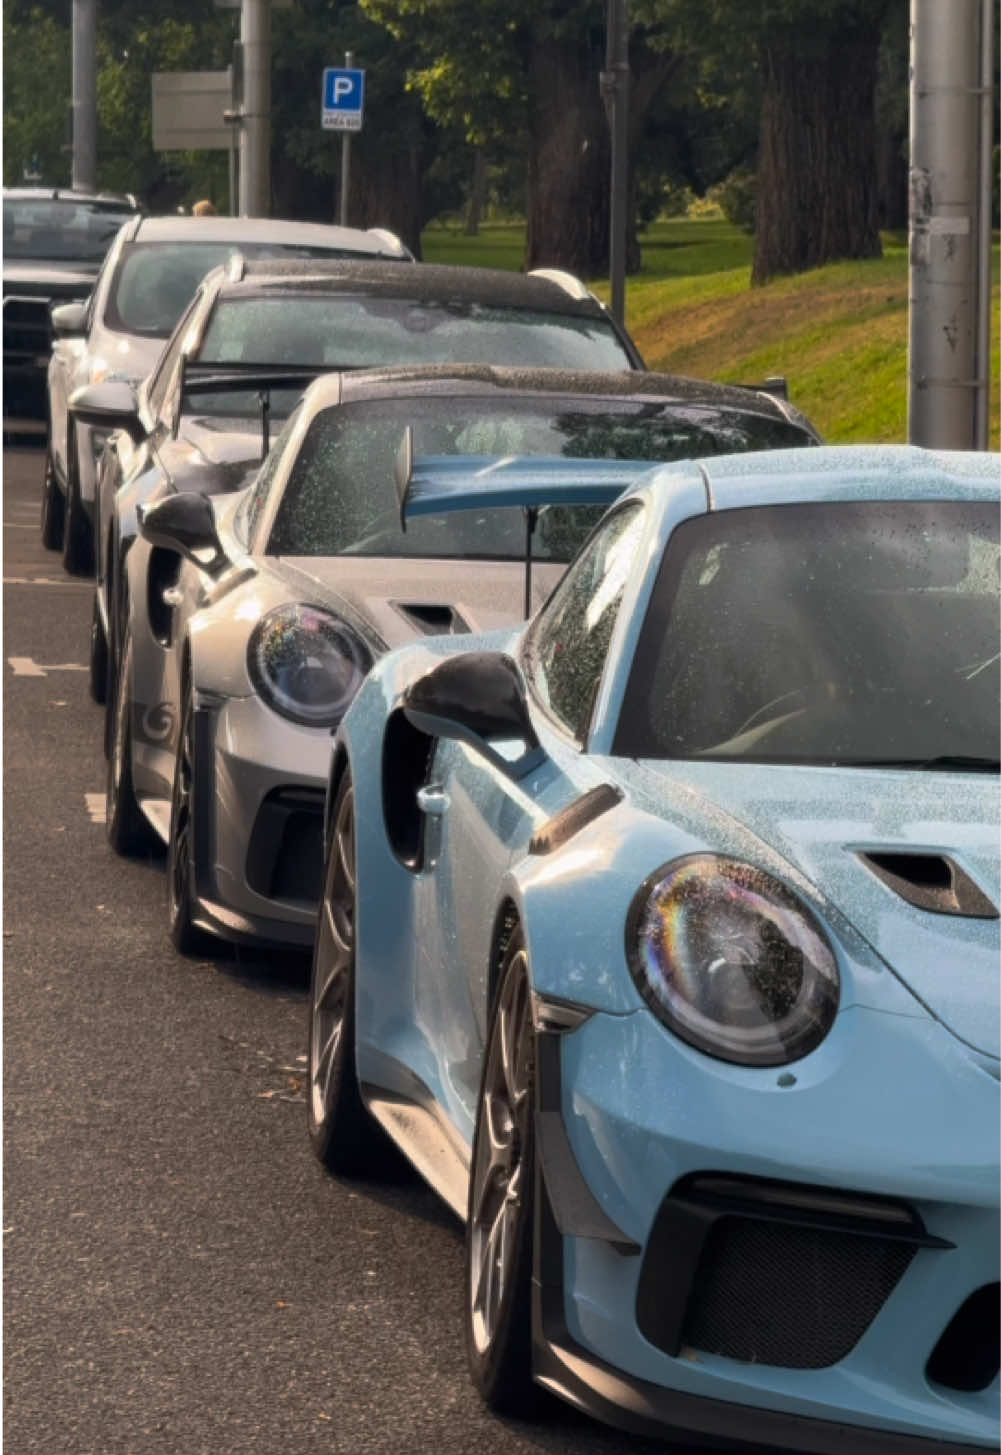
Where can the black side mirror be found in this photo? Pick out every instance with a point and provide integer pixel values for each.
(185, 523)
(109, 406)
(472, 699)
(69, 320)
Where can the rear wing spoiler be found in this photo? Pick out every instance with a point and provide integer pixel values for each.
(436, 483)
(207, 378)
(432, 484)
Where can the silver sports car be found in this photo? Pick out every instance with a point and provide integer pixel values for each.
(254, 616)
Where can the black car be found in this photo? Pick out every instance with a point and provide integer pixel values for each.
(255, 316)
(54, 241)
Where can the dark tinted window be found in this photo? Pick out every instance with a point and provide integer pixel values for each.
(351, 329)
(61, 230)
(568, 642)
(833, 633)
(341, 498)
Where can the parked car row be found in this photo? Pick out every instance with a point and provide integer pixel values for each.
(628, 760)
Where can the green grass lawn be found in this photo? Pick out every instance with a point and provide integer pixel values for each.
(838, 333)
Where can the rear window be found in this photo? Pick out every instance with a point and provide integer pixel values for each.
(352, 330)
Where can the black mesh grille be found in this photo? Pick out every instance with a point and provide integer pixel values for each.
(771, 1293)
(968, 1355)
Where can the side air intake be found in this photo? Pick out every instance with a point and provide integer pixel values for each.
(930, 881)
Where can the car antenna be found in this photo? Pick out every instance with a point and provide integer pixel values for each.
(531, 520)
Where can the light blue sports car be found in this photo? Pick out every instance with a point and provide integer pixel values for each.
(662, 936)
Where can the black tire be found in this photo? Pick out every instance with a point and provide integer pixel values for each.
(128, 832)
(98, 657)
(53, 507)
(345, 1137)
(78, 545)
(185, 935)
(497, 1301)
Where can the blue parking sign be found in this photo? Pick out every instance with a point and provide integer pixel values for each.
(343, 99)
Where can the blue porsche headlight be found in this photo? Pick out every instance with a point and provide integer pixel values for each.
(306, 664)
(732, 961)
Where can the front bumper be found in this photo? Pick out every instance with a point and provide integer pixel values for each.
(258, 817)
(889, 1107)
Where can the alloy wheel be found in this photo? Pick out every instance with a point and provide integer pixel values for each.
(499, 1172)
(334, 961)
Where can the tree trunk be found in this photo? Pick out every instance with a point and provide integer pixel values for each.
(569, 161)
(386, 192)
(817, 195)
(477, 193)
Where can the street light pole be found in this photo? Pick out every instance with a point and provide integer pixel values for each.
(84, 169)
(255, 138)
(615, 87)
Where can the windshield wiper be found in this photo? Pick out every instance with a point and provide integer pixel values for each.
(946, 762)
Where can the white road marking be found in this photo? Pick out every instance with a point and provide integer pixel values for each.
(28, 667)
(95, 806)
(19, 525)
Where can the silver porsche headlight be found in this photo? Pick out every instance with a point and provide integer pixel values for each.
(306, 664)
(731, 961)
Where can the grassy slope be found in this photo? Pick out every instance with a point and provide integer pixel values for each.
(839, 333)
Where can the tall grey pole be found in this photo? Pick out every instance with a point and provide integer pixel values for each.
(615, 83)
(84, 171)
(982, 430)
(945, 84)
(349, 61)
(255, 134)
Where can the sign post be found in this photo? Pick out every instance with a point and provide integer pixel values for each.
(343, 102)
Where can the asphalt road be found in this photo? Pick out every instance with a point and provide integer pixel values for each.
(180, 1273)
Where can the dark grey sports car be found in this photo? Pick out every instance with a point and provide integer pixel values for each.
(253, 617)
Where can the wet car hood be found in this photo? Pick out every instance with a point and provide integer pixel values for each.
(823, 820)
(402, 599)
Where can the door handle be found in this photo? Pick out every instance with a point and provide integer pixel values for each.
(172, 596)
(432, 800)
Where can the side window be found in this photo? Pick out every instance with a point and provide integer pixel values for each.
(256, 498)
(567, 645)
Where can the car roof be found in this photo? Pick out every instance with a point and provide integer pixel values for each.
(845, 473)
(427, 282)
(114, 201)
(491, 380)
(235, 230)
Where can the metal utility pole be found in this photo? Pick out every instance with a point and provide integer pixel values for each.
(255, 135)
(615, 89)
(945, 376)
(981, 428)
(349, 61)
(84, 171)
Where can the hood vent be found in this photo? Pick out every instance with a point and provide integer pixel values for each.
(929, 881)
(433, 620)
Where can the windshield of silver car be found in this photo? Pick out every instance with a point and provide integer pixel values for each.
(838, 633)
(154, 282)
(353, 329)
